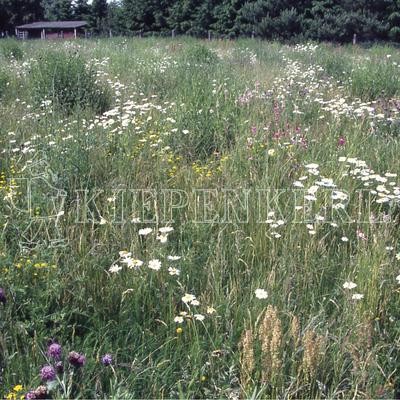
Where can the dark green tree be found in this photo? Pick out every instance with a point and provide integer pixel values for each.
(225, 15)
(81, 10)
(57, 10)
(14, 12)
(330, 20)
(98, 16)
(147, 15)
(181, 15)
(116, 18)
(394, 21)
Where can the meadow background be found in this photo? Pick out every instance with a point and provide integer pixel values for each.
(187, 310)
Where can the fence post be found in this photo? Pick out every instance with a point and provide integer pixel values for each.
(354, 39)
(252, 34)
(209, 35)
(173, 33)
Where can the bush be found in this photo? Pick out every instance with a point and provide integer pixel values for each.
(66, 80)
(3, 82)
(11, 49)
(200, 54)
(377, 79)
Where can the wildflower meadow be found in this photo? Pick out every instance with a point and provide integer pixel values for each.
(182, 218)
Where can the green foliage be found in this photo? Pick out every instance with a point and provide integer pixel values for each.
(57, 10)
(324, 20)
(11, 49)
(203, 127)
(374, 80)
(14, 12)
(4, 80)
(81, 10)
(98, 16)
(200, 54)
(66, 80)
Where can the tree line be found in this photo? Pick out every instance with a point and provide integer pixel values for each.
(331, 20)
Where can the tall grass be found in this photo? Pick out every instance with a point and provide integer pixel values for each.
(190, 115)
(64, 79)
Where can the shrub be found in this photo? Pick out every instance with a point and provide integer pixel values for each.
(66, 80)
(377, 79)
(200, 54)
(3, 82)
(11, 49)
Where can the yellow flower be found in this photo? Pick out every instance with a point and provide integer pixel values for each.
(17, 388)
(179, 330)
(203, 378)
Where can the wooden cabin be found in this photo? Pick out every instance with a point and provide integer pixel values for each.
(51, 30)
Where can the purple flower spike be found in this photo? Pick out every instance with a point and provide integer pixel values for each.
(3, 298)
(107, 359)
(76, 359)
(54, 351)
(47, 373)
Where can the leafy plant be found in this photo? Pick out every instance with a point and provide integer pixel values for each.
(11, 49)
(66, 80)
(200, 54)
(3, 82)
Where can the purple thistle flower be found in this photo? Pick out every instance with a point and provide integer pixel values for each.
(30, 395)
(41, 392)
(47, 373)
(76, 359)
(107, 359)
(341, 141)
(3, 298)
(54, 351)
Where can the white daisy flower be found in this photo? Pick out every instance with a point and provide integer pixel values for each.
(173, 271)
(133, 263)
(188, 298)
(261, 293)
(162, 238)
(145, 231)
(349, 285)
(115, 268)
(155, 264)
(166, 229)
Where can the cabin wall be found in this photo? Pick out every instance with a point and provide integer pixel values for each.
(50, 33)
(69, 34)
